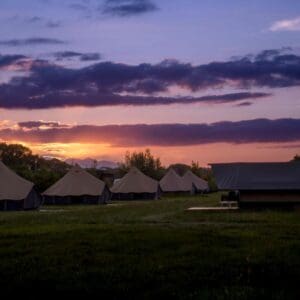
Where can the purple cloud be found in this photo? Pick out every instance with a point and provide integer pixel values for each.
(244, 104)
(249, 131)
(50, 85)
(39, 124)
(69, 99)
(90, 56)
(81, 56)
(126, 8)
(31, 42)
(8, 60)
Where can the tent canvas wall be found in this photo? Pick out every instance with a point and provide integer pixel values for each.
(135, 185)
(16, 193)
(77, 186)
(199, 184)
(261, 184)
(173, 183)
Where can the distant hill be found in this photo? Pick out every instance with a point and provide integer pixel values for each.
(91, 163)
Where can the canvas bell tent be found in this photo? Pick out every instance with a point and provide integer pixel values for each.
(135, 185)
(198, 184)
(173, 183)
(16, 193)
(261, 184)
(77, 187)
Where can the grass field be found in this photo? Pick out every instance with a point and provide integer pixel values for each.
(143, 250)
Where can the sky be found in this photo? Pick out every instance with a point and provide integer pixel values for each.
(208, 81)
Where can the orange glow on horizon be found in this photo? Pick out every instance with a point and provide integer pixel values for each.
(204, 154)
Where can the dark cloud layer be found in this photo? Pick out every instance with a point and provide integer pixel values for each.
(39, 124)
(8, 60)
(66, 54)
(249, 131)
(31, 42)
(81, 56)
(125, 8)
(90, 56)
(50, 85)
(244, 104)
(55, 100)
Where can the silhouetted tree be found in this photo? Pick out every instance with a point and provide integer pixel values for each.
(35, 168)
(145, 162)
(296, 158)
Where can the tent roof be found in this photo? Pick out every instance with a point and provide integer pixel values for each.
(12, 186)
(77, 182)
(172, 182)
(135, 182)
(198, 182)
(257, 176)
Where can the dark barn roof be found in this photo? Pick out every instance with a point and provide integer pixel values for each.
(257, 176)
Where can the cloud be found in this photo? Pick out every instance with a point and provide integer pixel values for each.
(31, 42)
(117, 8)
(271, 54)
(53, 24)
(68, 99)
(72, 54)
(19, 63)
(248, 131)
(126, 8)
(9, 60)
(244, 104)
(109, 83)
(286, 25)
(36, 20)
(282, 146)
(4, 124)
(233, 97)
(41, 125)
(90, 56)
(66, 54)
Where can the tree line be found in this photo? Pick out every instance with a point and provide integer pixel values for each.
(153, 167)
(45, 172)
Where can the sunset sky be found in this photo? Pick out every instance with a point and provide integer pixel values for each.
(209, 81)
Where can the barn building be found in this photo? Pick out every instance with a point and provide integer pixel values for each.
(261, 185)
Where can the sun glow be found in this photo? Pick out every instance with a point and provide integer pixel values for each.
(204, 154)
(69, 150)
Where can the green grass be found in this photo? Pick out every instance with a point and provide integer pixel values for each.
(143, 250)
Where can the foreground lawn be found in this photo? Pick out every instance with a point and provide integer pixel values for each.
(142, 250)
